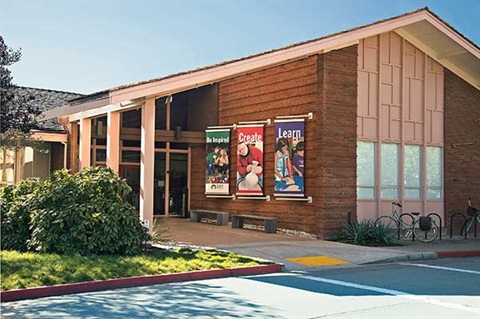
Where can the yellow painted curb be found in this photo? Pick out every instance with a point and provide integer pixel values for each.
(318, 261)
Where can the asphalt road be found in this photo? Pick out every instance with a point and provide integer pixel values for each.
(445, 288)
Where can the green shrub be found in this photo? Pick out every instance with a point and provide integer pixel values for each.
(16, 213)
(82, 213)
(366, 233)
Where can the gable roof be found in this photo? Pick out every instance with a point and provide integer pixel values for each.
(422, 28)
(46, 100)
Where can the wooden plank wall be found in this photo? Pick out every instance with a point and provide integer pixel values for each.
(291, 89)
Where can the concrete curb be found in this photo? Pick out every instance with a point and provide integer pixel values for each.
(425, 256)
(100, 285)
(407, 257)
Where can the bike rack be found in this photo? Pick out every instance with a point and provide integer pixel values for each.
(398, 224)
(440, 219)
(474, 225)
(451, 223)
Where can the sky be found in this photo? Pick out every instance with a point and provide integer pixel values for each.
(86, 46)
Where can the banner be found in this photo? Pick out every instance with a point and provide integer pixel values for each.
(250, 160)
(218, 163)
(289, 158)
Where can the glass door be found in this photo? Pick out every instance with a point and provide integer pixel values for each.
(159, 183)
(132, 174)
(178, 184)
(170, 184)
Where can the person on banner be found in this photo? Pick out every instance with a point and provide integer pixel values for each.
(211, 158)
(298, 164)
(283, 166)
(249, 166)
(221, 163)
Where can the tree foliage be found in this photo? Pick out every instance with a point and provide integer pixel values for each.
(18, 115)
(82, 213)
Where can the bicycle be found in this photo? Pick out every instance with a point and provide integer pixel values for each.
(473, 215)
(422, 228)
(394, 221)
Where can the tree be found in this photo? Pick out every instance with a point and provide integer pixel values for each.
(18, 115)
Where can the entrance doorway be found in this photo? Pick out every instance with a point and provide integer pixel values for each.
(132, 174)
(171, 183)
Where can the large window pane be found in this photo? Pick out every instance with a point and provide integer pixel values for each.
(131, 156)
(161, 114)
(131, 143)
(389, 170)
(365, 170)
(132, 119)
(101, 155)
(412, 171)
(434, 172)
(179, 111)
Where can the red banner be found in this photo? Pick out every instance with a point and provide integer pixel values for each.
(250, 160)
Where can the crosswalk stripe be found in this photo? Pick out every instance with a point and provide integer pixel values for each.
(443, 268)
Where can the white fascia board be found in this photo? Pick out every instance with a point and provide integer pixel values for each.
(475, 82)
(103, 110)
(464, 43)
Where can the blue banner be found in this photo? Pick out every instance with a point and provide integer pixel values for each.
(289, 158)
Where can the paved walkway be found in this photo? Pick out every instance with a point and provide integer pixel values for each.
(300, 253)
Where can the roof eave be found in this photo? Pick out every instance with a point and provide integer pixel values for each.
(207, 76)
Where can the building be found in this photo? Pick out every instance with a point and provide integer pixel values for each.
(27, 162)
(390, 111)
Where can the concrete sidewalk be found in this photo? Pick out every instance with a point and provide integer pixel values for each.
(297, 253)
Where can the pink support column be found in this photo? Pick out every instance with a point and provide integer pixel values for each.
(113, 140)
(147, 162)
(85, 140)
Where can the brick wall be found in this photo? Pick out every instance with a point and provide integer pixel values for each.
(337, 139)
(462, 145)
(325, 85)
(286, 89)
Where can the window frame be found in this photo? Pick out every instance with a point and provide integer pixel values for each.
(419, 172)
(371, 187)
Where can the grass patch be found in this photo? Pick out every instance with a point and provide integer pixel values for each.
(25, 270)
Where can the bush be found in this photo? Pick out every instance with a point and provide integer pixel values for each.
(366, 233)
(16, 214)
(82, 213)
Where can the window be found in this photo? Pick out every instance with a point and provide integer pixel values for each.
(434, 172)
(131, 143)
(412, 173)
(131, 156)
(365, 170)
(132, 119)
(101, 155)
(389, 171)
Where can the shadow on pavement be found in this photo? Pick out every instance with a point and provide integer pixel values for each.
(165, 301)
